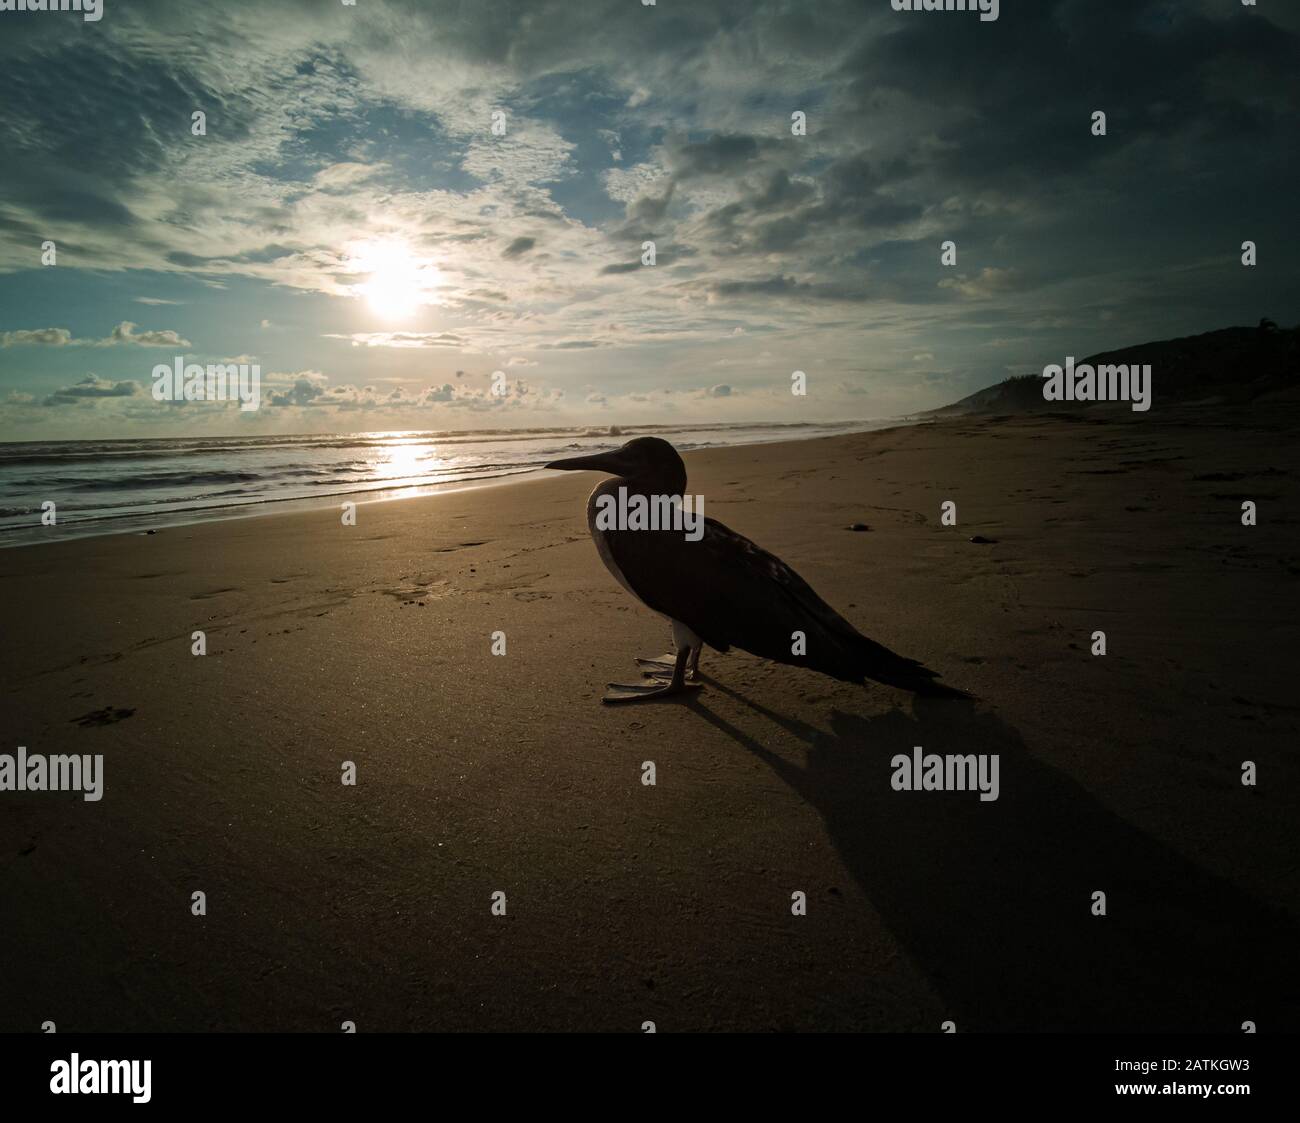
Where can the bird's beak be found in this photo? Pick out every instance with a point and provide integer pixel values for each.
(611, 462)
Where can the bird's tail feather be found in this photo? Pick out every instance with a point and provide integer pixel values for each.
(884, 666)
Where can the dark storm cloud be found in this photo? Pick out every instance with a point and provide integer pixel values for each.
(781, 213)
(519, 247)
(719, 155)
(780, 192)
(1023, 95)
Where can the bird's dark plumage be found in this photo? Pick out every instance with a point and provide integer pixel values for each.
(733, 593)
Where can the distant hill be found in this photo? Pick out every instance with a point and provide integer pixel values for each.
(1232, 365)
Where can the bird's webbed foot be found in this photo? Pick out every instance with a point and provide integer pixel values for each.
(657, 688)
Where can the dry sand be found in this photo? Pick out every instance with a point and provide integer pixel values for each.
(672, 903)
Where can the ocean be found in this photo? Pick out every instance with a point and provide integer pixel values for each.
(116, 486)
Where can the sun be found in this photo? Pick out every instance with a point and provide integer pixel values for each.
(397, 282)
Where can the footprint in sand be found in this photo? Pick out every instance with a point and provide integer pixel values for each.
(107, 716)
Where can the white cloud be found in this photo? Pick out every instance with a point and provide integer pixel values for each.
(124, 334)
(90, 388)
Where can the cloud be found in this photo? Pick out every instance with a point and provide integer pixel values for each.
(792, 288)
(988, 282)
(519, 247)
(291, 378)
(719, 155)
(305, 391)
(346, 175)
(124, 334)
(40, 337)
(405, 339)
(311, 391)
(92, 387)
(853, 388)
(329, 131)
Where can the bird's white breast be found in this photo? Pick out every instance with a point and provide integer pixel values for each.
(598, 536)
(683, 636)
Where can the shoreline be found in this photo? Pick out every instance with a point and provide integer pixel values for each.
(144, 522)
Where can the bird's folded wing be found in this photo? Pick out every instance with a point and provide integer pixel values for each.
(726, 589)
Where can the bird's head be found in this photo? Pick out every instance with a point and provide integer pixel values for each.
(643, 458)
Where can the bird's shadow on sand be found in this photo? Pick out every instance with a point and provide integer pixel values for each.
(993, 900)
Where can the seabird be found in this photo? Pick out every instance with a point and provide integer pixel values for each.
(722, 589)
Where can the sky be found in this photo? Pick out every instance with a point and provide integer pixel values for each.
(351, 222)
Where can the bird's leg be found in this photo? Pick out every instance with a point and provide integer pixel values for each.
(661, 666)
(619, 692)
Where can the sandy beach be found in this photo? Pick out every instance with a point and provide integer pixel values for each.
(626, 903)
